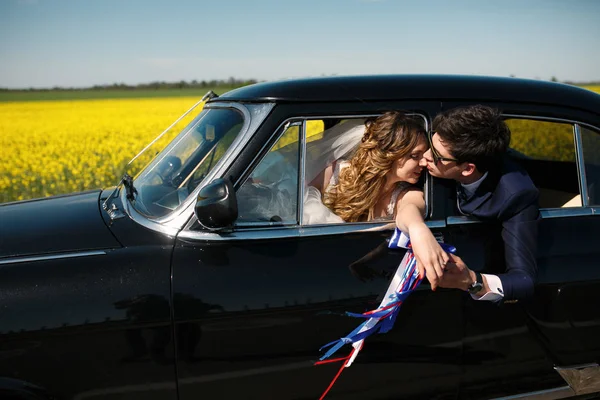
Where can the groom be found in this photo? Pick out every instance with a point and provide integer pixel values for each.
(469, 145)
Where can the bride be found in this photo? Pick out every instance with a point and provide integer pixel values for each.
(376, 182)
(371, 183)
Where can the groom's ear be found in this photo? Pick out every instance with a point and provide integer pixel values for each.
(467, 169)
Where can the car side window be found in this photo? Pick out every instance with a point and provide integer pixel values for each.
(590, 141)
(288, 172)
(269, 195)
(546, 149)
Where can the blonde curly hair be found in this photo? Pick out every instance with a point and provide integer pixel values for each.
(390, 137)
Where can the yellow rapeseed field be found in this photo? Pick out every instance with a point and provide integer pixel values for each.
(57, 147)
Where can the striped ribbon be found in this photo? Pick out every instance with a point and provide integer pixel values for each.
(380, 320)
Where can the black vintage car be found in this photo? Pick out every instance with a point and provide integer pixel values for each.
(203, 277)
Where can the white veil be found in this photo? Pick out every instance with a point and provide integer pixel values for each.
(337, 142)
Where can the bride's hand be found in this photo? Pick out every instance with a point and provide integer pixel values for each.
(431, 258)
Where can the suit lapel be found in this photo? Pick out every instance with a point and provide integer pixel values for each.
(475, 204)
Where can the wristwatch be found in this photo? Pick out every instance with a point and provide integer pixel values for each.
(477, 285)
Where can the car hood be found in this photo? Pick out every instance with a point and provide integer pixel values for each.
(54, 225)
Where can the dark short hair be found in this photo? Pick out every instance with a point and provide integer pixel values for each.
(474, 134)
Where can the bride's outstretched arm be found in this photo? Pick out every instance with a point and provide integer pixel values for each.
(431, 258)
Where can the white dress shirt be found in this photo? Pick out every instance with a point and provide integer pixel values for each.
(495, 284)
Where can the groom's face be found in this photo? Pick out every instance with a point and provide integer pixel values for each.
(439, 160)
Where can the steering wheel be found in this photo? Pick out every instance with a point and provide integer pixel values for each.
(167, 170)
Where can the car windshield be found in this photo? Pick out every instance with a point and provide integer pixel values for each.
(182, 165)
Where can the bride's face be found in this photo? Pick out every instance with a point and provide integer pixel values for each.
(408, 168)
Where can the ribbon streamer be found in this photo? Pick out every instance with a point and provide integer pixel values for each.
(380, 320)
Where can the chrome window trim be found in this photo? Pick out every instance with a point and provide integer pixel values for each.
(271, 233)
(583, 188)
(302, 170)
(549, 119)
(566, 212)
(22, 259)
(462, 220)
(546, 213)
(302, 120)
(254, 115)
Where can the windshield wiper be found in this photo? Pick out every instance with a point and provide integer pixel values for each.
(131, 191)
(113, 211)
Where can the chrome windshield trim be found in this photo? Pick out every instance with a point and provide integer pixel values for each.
(583, 189)
(22, 259)
(254, 115)
(235, 145)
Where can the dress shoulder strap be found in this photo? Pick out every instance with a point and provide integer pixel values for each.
(400, 187)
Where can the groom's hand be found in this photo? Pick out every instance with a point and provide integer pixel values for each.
(457, 274)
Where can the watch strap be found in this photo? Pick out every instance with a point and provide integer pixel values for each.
(477, 285)
(479, 278)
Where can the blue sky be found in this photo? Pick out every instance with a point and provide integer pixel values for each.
(78, 43)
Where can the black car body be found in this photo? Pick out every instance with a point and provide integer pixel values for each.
(165, 294)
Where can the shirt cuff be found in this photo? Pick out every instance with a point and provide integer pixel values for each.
(496, 293)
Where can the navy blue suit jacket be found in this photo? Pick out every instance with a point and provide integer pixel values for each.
(508, 195)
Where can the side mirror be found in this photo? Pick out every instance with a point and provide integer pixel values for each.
(216, 206)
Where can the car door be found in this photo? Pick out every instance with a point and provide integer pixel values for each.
(521, 343)
(253, 306)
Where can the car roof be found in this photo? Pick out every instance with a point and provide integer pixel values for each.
(418, 87)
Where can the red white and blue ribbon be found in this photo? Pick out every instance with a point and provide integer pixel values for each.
(381, 320)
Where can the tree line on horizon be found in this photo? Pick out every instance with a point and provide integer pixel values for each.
(156, 85)
(198, 84)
